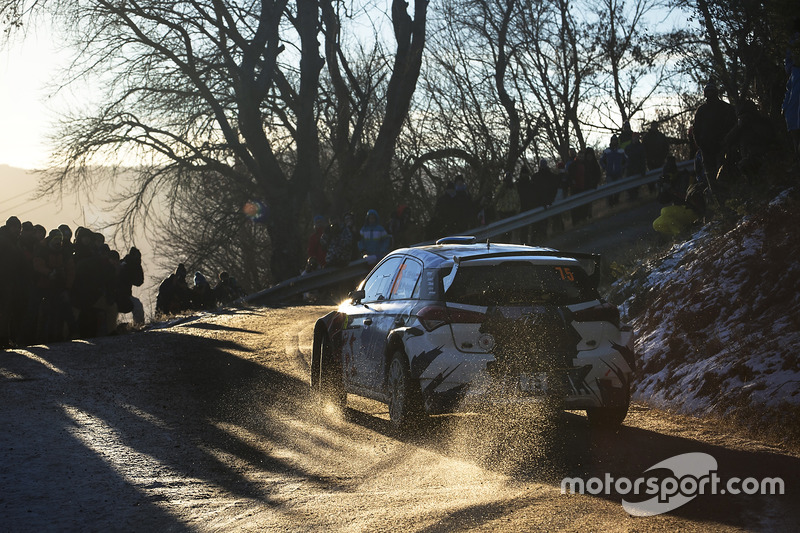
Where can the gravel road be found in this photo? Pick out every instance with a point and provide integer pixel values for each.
(208, 426)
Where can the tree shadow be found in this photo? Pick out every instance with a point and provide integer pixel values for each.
(105, 433)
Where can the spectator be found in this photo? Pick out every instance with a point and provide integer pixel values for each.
(485, 210)
(338, 241)
(656, 147)
(545, 185)
(626, 135)
(403, 229)
(752, 138)
(577, 179)
(506, 201)
(11, 271)
(506, 198)
(315, 248)
(375, 241)
(637, 162)
(350, 224)
(446, 216)
(525, 189)
(613, 161)
(227, 289)
(464, 206)
(712, 122)
(53, 289)
(130, 274)
(566, 175)
(592, 173)
(173, 293)
(202, 296)
(673, 184)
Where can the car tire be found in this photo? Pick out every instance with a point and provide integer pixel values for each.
(611, 416)
(404, 396)
(327, 381)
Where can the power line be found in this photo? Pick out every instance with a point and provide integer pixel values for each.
(14, 208)
(15, 197)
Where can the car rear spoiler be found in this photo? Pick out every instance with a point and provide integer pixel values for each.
(589, 261)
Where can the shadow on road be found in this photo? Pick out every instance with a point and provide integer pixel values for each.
(166, 429)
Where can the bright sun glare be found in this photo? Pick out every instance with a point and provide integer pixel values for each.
(26, 106)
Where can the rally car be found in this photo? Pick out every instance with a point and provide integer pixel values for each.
(464, 326)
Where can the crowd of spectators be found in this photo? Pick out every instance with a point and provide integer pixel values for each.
(339, 240)
(54, 288)
(175, 295)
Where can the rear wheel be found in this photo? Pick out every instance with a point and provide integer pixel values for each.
(405, 398)
(326, 373)
(611, 416)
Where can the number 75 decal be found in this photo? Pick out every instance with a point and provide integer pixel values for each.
(566, 273)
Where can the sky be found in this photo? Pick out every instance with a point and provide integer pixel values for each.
(26, 104)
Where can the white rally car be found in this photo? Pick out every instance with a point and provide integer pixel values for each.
(462, 326)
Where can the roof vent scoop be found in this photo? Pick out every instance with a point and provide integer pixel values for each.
(458, 239)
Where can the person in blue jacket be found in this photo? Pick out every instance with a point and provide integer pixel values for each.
(374, 240)
(613, 161)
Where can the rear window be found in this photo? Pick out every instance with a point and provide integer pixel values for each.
(520, 283)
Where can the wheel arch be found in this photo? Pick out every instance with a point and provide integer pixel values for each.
(320, 332)
(393, 343)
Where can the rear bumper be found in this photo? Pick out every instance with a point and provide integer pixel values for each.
(452, 381)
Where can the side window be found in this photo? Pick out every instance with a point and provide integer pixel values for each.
(379, 284)
(406, 280)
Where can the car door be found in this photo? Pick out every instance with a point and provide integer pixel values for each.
(390, 313)
(366, 328)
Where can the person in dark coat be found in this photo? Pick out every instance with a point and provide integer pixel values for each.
(466, 211)
(592, 173)
(446, 216)
(527, 198)
(174, 294)
(712, 122)
(752, 138)
(545, 185)
(130, 275)
(656, 147)
(202, 295)
(228, 289)
(403, 228)
(637, 162)
(10, 278)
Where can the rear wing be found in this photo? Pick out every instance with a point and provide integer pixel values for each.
(589, 262)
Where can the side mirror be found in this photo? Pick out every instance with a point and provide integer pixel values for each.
(357, 296)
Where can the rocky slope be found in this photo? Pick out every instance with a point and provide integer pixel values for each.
(718, 321)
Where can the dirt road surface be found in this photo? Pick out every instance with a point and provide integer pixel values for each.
(209, 426)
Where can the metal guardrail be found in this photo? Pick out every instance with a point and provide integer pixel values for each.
(358, 269)
(317, 279)
(571, 202)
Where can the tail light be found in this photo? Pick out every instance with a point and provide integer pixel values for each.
(604, 312)
(435, 316)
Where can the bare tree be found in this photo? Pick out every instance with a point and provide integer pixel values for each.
(229, 89)
(635, 59)
(741, 46)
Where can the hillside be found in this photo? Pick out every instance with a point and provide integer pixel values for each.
(718, 321)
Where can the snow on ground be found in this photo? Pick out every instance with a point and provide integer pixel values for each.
(718, 318)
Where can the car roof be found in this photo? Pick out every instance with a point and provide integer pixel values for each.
(439, 254)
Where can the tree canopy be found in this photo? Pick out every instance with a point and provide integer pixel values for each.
(321, 106)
